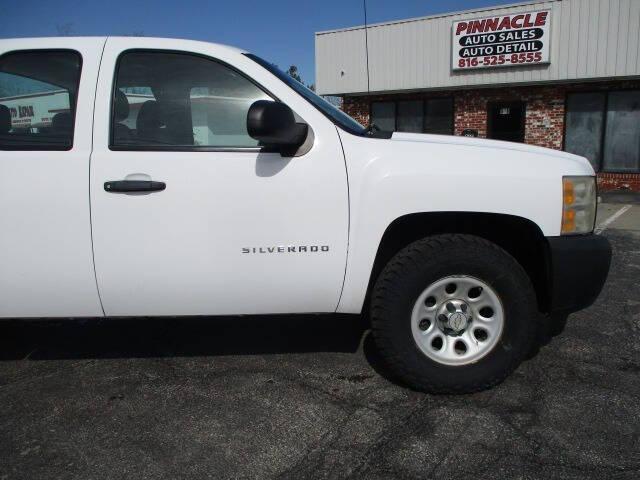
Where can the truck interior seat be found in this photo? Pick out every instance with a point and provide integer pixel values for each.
(121, 133)
(164, 122)
(149, 124)
(62, 124)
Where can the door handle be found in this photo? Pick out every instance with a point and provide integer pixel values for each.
(134, 186)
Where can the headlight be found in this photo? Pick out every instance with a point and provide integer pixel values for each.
(579, 205)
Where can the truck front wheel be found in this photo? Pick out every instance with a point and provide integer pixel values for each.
(453, 314)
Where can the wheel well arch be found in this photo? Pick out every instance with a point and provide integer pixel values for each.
(518, 236)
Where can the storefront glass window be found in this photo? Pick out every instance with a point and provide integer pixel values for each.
(585, 119)
(622, 139)
(383, 115)
(618, 114)
(439, 116)
(434, 115)
(411, 116)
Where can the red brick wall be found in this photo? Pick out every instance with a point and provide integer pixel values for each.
(544, 121)
(608, 182)
(357, 108)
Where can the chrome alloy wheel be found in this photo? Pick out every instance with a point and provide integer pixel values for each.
(457, 320)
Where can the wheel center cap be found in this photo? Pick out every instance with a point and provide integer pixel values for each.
(457, 321)
(454, 317)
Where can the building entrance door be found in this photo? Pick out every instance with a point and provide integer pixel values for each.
(506, 121)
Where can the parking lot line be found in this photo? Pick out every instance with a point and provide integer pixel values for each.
(603, 226)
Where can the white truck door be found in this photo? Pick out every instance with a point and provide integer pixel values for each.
(47, 90)
(226, 228)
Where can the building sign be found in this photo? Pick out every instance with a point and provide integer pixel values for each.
(505, 41)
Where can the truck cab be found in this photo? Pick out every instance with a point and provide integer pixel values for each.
(154, 177)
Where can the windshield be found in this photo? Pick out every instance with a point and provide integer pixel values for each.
(336, 115)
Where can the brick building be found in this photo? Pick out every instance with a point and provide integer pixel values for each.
(563, 74)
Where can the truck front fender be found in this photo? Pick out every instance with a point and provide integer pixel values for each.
(390, 179)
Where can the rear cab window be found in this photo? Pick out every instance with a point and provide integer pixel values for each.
(38, 94)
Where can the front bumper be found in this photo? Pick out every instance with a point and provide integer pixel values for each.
(579, 266)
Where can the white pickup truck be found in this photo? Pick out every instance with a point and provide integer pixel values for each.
(149, 177)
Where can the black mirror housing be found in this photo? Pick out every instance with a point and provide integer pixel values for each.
(273, 124)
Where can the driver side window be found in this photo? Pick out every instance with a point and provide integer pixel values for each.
(167, 100)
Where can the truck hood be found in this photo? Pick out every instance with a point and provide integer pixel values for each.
(490, 144)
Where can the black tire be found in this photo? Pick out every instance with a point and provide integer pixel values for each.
(420, 264)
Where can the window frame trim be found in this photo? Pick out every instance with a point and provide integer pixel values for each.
(603, 136)
(179, 148)
(74, 103)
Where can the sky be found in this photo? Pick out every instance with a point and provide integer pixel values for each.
(281, 31)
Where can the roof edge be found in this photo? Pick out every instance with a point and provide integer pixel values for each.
(438, 15)
(486, 86)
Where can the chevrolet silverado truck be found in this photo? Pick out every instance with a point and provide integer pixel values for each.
(163, 177)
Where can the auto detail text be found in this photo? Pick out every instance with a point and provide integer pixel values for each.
(510, 40)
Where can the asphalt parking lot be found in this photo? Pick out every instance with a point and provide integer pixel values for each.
(301, 397)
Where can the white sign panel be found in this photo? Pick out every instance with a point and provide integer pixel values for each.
(36, 110)
(501, 41)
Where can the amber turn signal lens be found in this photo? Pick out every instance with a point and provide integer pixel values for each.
(568, 192)
(569, 221)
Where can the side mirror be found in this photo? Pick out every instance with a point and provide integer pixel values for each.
(274, 125)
